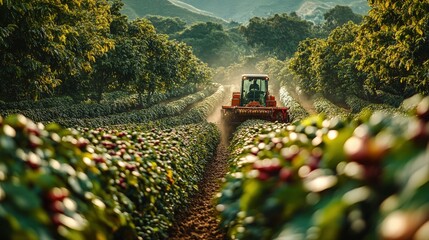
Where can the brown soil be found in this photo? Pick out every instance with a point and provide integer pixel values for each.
(199, 220)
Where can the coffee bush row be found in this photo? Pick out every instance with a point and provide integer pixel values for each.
(140, 116)
(58, 183)
(31, 104)
(330, 179)
(68, 110)
(296, 111)
(326, 107)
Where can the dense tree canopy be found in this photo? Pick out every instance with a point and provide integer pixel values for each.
(167, 25)
(84, 48)
(393, 44)
(278, 35)
(325, 65)
(212, 43)
(387, 53)
(42, 41)
(340, 15)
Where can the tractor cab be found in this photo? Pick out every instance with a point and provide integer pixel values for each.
(254, 88)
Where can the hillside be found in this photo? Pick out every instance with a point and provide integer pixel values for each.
(139, 8)
(242, 10)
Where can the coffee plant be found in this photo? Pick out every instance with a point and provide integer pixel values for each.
(58, 183)
(295, 110)
(330, 179)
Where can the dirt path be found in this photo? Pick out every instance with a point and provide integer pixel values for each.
(199, 221)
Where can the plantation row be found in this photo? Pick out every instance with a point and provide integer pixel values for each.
(68, 184)
(198, 113)
(140, 116)
(59, 108)
(355, 107)
(30, 104)
(295, 110)
(330, 179)
(126, 181)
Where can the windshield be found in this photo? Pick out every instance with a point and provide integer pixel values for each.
(254, 89)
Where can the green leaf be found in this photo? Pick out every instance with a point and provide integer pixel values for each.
(24, 198)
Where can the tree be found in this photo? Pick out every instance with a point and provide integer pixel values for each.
(43, 42)
(167, 25)
(392, 46)
(278, 35)
(212, 44)
(340, 15)
(326, 65)
(301, 65)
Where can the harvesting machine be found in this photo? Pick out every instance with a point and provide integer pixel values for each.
(253, 102)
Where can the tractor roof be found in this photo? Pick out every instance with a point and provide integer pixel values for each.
(254, 75)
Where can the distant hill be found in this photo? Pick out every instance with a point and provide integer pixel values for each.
(170, 8)
(243, 10)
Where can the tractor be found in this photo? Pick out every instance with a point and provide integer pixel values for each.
(253, 102)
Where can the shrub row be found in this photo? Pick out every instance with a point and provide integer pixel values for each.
(296, 111)
(92, 110)
(140, 116)
(361, 108)
(355, 103)
(388, 98)
(324, 106)
(196, 114)
(55, 184)
(156, 170)
(30, 104)
(330, 179)
(133, 99)
(50, 188)
(385, 108)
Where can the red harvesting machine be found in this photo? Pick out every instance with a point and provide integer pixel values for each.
(253, 102)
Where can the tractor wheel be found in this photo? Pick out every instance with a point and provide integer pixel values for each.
(279, 117)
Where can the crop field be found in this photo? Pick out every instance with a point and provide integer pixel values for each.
(129, 171)
(285, 126)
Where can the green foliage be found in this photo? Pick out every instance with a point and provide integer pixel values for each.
(212, 44)
(43, 103)
(108, 184)
(85, 48)
(44, 41)
(278, 35)
(154, 63)
(326, 66)
(347, 179)
(340, 15)
(379, 107)
(392, 46)
(49, 186)
(157, 111)
(167, 25)
(295, 110)
(383, 60)
(243, 10)
(355, 103)
(327, 108)
(198, 113)
(72, 112)
(156, 171)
